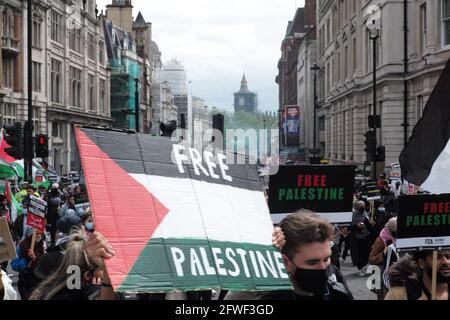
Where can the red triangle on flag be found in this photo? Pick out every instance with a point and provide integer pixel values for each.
(3, 146)
(125, 212)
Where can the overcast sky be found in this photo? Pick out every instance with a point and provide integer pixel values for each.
(218, 40)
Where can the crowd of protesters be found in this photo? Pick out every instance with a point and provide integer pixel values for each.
(69, 240)
(311, 248)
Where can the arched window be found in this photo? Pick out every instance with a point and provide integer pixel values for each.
(8, 24)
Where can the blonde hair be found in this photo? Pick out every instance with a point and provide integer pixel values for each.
(74, 255)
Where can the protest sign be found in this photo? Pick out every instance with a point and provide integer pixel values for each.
(36, 213)
(326, 190)
(177, 220)
(39, 177)
(423, 222)
(7, 249)
(396, 171)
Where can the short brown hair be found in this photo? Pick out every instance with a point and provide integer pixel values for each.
(304, 227)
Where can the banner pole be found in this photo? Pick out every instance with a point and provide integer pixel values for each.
(434, 277)
(33, 240)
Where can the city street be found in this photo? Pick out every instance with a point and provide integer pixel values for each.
(357, 284)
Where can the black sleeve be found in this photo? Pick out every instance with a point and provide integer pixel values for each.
(340, 278)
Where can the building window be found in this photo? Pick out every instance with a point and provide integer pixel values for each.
(75, 87)
(91, 90)
(346, 62)
(91, 46)
(56, 78)
(55, 130)
(36, 117)
(76, 40)
(57, 31)
(102, 96)
(423, 26)
(8, 72)
(8, 114)
(446, 21)
(8, 24)
(36, 77)
(101, 52)
(321, 123)
(37, 31)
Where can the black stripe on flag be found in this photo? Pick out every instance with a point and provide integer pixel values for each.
(150, 155)
(431, 134)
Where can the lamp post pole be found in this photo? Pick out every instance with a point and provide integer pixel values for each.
(136, 110)
(315, 68)
(374, 36)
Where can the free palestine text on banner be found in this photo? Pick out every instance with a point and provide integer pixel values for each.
(325, 190)
(176, 225)
(423, 222)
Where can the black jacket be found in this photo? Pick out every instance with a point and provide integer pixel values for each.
(337, 290)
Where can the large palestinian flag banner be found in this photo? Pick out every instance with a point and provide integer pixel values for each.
(425, 161)
(176, 225)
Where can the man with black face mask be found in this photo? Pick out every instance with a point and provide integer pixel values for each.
(307, 257)
(411, 277)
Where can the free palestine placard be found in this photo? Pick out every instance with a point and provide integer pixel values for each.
(423, 222)
(326, 190)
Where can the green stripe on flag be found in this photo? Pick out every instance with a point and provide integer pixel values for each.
(184, 264)
(6, 171)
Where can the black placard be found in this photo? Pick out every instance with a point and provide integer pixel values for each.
(331, 189)
(423, 222)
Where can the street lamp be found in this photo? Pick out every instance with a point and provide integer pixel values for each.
(315, 68)
(374, 30)
(136, 112)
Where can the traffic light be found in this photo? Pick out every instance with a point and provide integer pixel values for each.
(41, 145)
(13, 136)
(371, 146)
(381, 154)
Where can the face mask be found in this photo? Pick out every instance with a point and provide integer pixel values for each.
(89, 226)
(38, 239)
(382, 209)
(313, 281)
(362, 210)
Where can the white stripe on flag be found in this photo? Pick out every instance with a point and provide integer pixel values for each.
(435, 183)
(226, 213)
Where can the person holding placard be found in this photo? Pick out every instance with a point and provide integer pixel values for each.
(411, 277)
(305, 242)
(84, 255)
(27, 260)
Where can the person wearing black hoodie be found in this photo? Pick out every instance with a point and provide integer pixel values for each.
(53, 209)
